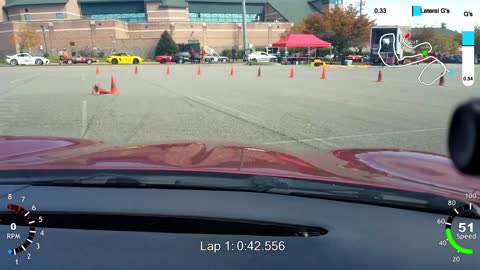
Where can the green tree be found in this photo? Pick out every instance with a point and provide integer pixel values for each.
(343, 28)
(166, 45)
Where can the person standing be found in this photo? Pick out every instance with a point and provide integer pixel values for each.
(192, 55)
(60, 56)
(65, 54)
(204, 53)
(234, 54)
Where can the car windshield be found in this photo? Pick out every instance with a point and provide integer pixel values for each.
(371, 105)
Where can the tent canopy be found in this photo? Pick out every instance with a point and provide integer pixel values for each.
(302, 41)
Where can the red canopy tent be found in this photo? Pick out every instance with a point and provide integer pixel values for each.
(302, 41)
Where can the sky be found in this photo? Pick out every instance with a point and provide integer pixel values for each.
(399, 12)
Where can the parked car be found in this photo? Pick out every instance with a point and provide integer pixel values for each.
(123, 58)
(182, 57)
(452, 59)
(260, 56)
(163, 59)
(329, 57)
(428, 58)
(26, 59)
(366, 58)
(355, 57)
(212, 58)
(79, 60)
(301, 57)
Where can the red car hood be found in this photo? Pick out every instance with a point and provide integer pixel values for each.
(390, 168)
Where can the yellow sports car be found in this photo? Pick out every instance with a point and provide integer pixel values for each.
(123, 58)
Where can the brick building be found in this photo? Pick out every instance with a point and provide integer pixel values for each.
(136, 25)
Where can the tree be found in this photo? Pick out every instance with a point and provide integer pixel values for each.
(445, 45)
(166, 45)
(343, 28)
(26, 39)
(477, 41)
(420, 35)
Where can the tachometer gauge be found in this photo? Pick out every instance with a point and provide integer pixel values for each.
(460, 232)
(20, 227)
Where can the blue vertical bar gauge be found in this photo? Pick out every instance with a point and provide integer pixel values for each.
(468, 52)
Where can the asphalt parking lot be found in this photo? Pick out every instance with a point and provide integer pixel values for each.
(348, 110)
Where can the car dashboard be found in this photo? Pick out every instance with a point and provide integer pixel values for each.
(128, 228)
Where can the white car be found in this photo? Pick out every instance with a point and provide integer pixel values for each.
(329, 57)
(260, 56)
(211, 58)
(26, 59)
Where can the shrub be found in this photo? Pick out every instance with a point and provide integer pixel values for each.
(166, 45)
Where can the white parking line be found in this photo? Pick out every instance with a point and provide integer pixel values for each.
(84, 117)
(357, 136)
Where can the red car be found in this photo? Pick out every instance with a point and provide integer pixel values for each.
(427, 59)
(355, 57)
(79, 60)
(163, 59)
(81, 204)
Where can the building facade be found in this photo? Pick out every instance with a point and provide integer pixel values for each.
(136, 25)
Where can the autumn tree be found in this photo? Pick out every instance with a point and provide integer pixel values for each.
(343, 28)
(477, 41)
(26, 39)
(420, 35)
(444, 44)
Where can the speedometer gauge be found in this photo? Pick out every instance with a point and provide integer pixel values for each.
(460, 232)
(465, 230)
(20, 227)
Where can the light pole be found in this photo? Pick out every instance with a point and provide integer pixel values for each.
(244, 21)
(44, 40)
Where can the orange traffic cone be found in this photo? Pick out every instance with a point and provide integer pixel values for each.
(97, 71)
(232, 72)
(98, 90)
(442, 81)
(113, 87)
(259, 74)
(136, 70)
(380, 77)
(168, 70)
(292, 73)
(199, 71)
(324, 74)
